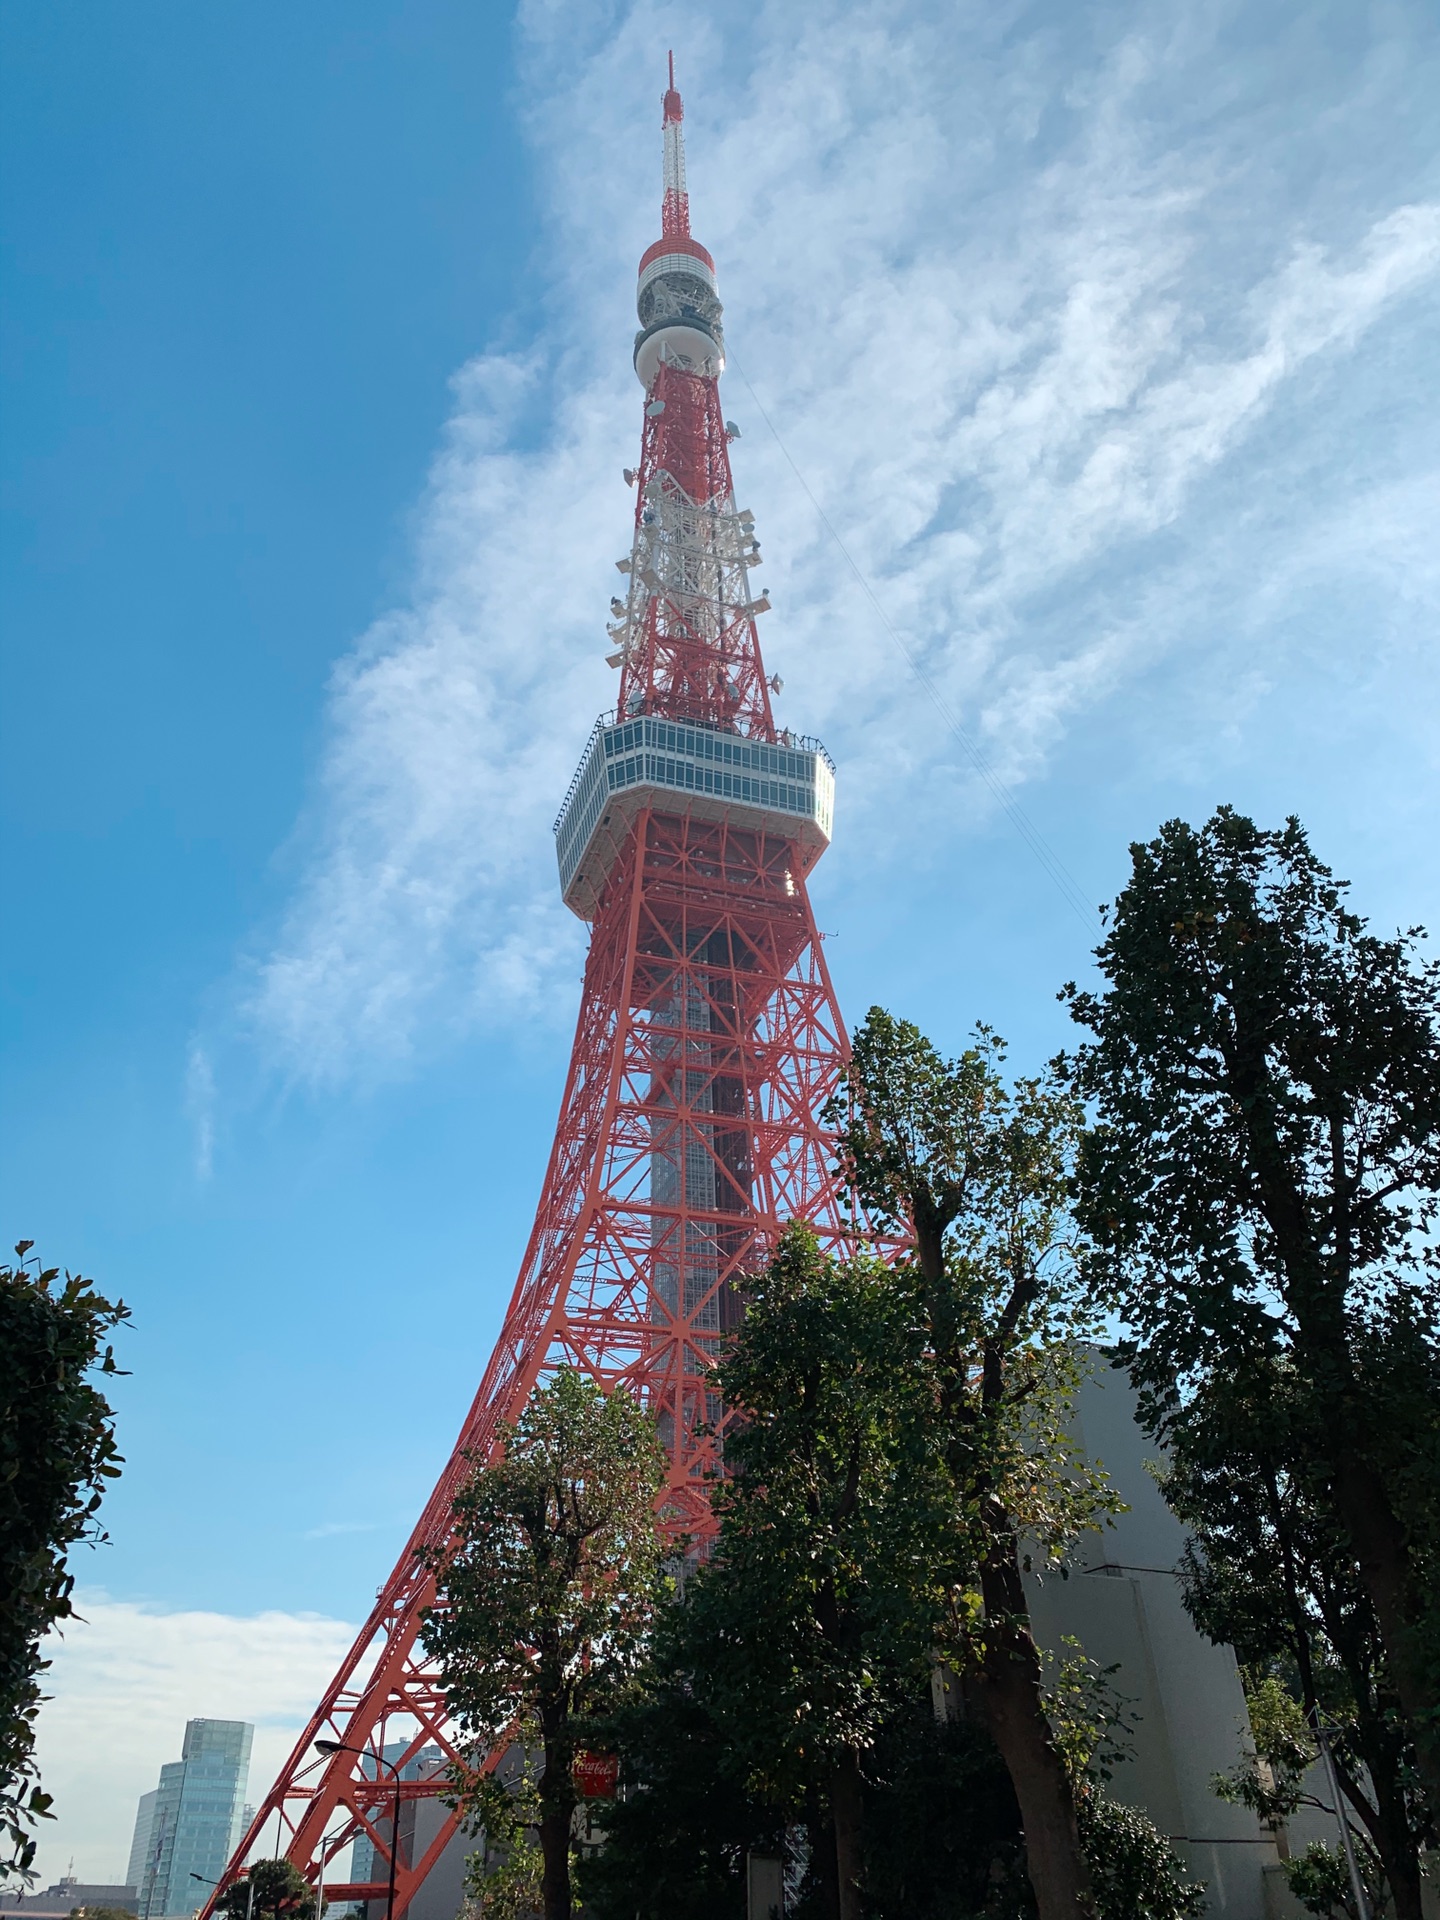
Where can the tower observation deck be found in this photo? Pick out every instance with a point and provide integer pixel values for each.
(707, 1047)
(693, 726)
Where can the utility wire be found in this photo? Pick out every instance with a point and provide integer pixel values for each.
(1069, 887)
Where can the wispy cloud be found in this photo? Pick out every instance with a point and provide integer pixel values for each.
(1028, 305)
(200, 1106)
(125, 1678)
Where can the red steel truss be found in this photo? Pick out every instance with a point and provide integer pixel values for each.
(707, 1046)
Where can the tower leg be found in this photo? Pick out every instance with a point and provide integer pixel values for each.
(707, 1045)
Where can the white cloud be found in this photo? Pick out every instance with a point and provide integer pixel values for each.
(989, 284)
(124, 1681)
(200, 1103)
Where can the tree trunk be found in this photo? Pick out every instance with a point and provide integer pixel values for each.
(1365, 1509)
(555, 1852)
(1393, 1834)
(557, 1808)
(1402, 1874)
(820, 1831)
(1384, 1820)
(846, 1814)
(1010, 1694)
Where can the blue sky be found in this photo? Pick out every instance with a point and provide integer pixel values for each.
(1103, 337)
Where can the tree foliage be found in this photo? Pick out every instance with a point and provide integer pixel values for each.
(1320, 1880)
(785, 1708)
(268, 1890)
(506, 1882)
(57, 1454)
(899, 1427)
(943, 1839)
(677, 1839)
(544, 1595)
(817, 1602)
(1270, 1572)
(1133, 1871)
(1262, 1182)
(979, 1171)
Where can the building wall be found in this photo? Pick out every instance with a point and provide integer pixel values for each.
(441, 1896)
(57, 1902)
(154, 1882)
(140, 1845)
(1122, 1602)
(443, 1893)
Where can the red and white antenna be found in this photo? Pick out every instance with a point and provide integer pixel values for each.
(675, 212)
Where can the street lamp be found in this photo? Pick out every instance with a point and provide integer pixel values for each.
(1357, 1885)
(249, 1890)
(338, 1746)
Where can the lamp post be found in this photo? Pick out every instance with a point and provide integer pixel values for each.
(1357, 1885)
(249, 1890)
(338, 1746)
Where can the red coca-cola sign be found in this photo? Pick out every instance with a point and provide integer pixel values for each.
(595, 1775)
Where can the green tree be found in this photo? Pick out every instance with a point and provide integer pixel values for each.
(1271, 1573)
(767, 1685)
(507, 1882)
(785, 1691)
(57, 1453)
(980, 1174)
(544, 1596)
(1320, 1881)
(944, 1834)
(1273, 1781)
(1134, 1873)
(1262, 1179)
(678, 1838)
(268, 1890)
(816, 1603)
(942, 1828)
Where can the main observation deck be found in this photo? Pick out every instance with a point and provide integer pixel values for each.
(788, 788)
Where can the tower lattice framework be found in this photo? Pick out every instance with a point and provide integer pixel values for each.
(707, 1046)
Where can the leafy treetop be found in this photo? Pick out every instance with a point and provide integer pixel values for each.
(1262, 1180)
(544, 1597)
(57, 1454)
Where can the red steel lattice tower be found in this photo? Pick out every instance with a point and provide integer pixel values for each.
(707, 1045)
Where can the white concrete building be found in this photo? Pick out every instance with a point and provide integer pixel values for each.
(1122, 1602)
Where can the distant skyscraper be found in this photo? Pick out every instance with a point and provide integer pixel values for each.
(189, 1824)
(140, 1845)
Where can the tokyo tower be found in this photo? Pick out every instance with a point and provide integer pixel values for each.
(707, 1045)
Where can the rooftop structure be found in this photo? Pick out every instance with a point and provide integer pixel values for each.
(60, 1901)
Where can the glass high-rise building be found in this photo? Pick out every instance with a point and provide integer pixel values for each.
(140, 1845)
(186, 1829)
